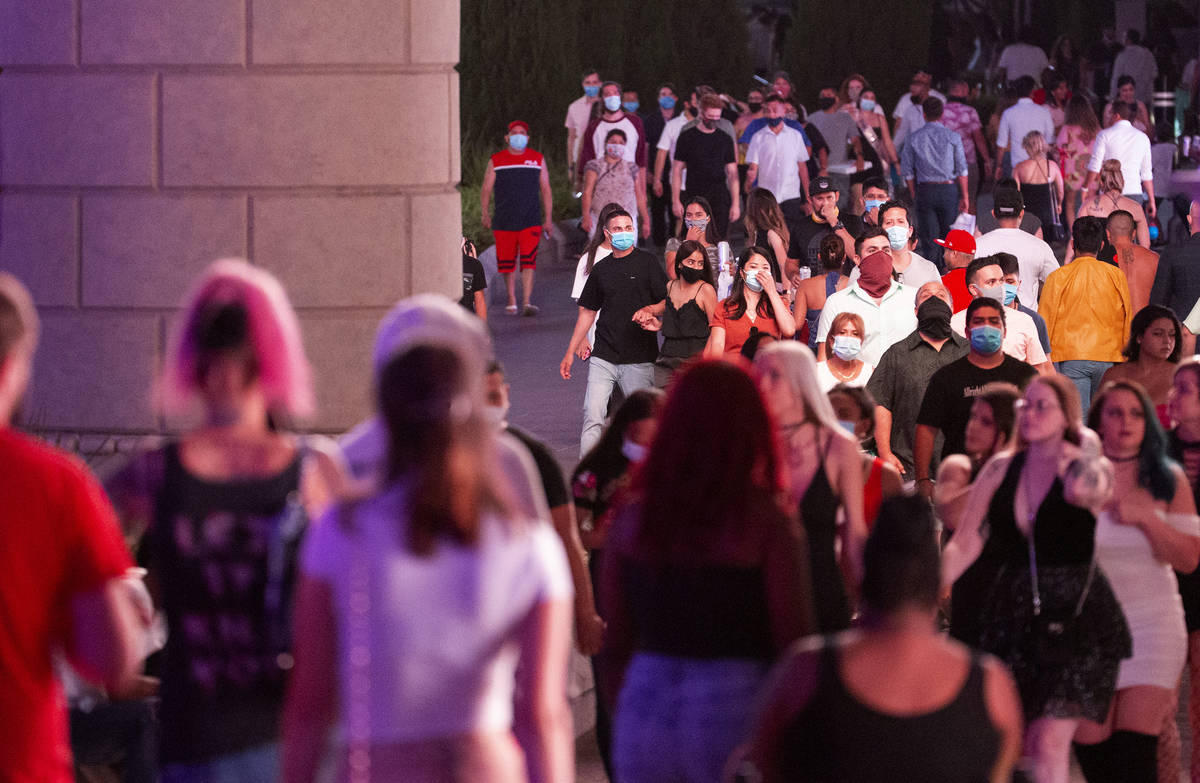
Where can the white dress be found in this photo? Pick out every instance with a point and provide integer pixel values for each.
(1149, 595)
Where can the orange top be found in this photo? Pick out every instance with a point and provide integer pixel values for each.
(737, 331)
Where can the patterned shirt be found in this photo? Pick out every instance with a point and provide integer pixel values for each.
(963, 118)
(934, 153)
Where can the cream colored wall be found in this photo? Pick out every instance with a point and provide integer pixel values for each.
(141, 139)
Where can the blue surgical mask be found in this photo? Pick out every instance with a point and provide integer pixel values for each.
(850, 427)
(612, 102)
(623, 240)
(591, 90)
(898, 237)
(846, 347)
(871, 204)
(1010, 293)
(630, 106)
(866, 104)
(666, 102)
(986, 339)
(752, 281)
(518, 141)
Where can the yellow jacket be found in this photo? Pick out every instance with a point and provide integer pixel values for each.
(1087, 309)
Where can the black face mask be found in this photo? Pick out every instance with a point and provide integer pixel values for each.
(692, 111)
(933, 318)
(826, 103)
(754, 106)
(774, 121)
(690, 274)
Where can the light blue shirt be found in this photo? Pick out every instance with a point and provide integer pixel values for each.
(934, 153)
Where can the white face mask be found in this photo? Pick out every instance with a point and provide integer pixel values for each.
(496, 415)
(634, 452)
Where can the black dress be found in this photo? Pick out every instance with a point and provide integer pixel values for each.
(818, 512)
(685, 332)
(1064, 538)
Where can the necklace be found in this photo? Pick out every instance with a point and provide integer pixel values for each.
(840, 375)
(1134, 458)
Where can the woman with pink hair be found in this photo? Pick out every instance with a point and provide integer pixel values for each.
(219, 513)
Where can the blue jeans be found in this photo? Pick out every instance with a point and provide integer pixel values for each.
(602, 377)
(680, 719)
(1086, 375)
(937, 206)
(249, 766)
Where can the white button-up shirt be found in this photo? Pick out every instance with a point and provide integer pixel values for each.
(1130, 146)
(1020, 119)
(885, 322)
(778, 157)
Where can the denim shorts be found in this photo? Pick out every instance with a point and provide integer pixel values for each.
(680, 719)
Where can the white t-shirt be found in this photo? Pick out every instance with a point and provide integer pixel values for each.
(1017, 121)
(443, 629)
(1121, 141)
(1022, 59)
(828, 380)
(579, 114)
(667, 141)
(633, 138)
(778, 157)
(1020, 335)
(885, 323)
(1035, 259)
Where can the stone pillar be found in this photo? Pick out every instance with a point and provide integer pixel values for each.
(141, 139)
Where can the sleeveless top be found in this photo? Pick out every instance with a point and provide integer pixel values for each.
(684, 329)
(227, 554)
(818, 511)
(838, 738)
(811, 316)
(698, 610)
(769, 251)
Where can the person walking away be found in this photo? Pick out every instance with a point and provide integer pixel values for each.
(934, 168)
(519, 178)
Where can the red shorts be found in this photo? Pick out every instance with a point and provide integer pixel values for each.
(509, 243)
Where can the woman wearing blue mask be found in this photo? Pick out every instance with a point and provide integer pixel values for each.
(754, 304)
(843, 348)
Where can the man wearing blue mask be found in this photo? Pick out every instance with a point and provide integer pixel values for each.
(654, 123)
(985, 278)
(579, 114)
(613, 116)
(519, 177)
(777, 160)
(624, 288)
(952, 389)
(874, 194)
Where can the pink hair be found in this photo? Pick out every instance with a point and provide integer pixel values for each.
(283, 369)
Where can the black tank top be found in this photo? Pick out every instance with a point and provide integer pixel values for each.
(838, 739)
(685, 329)
(818, 511)
(225, 554)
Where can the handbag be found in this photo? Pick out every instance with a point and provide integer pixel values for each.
(1056, 635)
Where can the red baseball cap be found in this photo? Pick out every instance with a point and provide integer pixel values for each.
(959, 241)
(518, 124)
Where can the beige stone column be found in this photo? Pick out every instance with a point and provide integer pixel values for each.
(141, 139)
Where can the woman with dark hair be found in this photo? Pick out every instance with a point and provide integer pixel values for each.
(1149, 527)
(1127, 93)
(1075, 141)
(811, 294)
(855, 410)
(683, 317)
(989, 431)
(611, 178)
(765, 225)
(220, 512)
(823, 476)
(429, 677)
(1155, 337)
(601, 478)
(705, 582)
(893, 699)
(1027, 534)
(697, 225)
(1183, 446)
(753, 305)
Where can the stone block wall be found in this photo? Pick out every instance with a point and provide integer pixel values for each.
(141, 139)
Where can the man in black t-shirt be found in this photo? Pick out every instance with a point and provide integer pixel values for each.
(953, 389)
(620, 287)
(710, 160)
(474, 281)
(805, 242)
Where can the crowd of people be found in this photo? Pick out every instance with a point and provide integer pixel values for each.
(884, 417)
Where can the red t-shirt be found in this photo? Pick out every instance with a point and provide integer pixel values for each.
(956, 283)
(59, 538)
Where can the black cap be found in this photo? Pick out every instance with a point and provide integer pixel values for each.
(821, 185)
(1007, 202)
